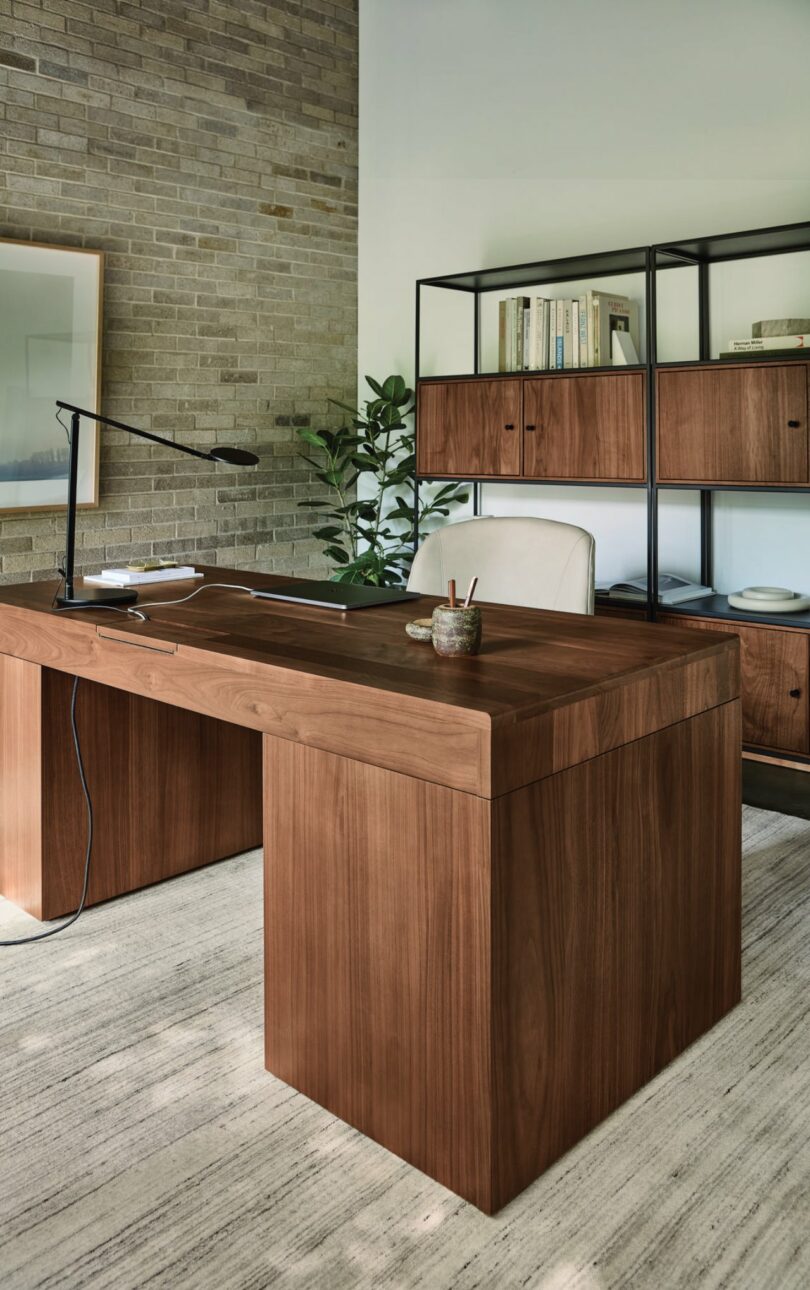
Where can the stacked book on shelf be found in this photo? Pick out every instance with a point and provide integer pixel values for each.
(594, 330)
(773, 338)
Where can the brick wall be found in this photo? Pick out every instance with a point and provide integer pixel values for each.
(209, 148)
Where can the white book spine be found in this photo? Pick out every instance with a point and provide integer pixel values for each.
(560, 357)
(526, 338)
(759, 343)
(575, 333)
(584, 360)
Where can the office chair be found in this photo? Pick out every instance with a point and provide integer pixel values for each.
(542, 564)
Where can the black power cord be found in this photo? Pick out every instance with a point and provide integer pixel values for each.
(52, 931)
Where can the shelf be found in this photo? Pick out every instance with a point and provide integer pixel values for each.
(693, 486)
(718, 607)
(533, 482)
(733, 246)
(537, 371)
(573, 268)
(801, 355)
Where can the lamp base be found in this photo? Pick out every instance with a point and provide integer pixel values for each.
(93, 597)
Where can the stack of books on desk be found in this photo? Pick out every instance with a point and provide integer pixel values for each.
(130, 578)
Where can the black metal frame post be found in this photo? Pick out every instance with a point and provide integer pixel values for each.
(704, 350)
(652, 488)
(73, 480)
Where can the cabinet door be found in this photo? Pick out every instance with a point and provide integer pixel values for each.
(735, 425)
(774, 682)
(469, 428)
(584, 427)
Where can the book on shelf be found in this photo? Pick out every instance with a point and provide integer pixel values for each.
(568, 333)
(672, 589)
(756, 344)
(780, 327)
(756, 354)
(538, 334)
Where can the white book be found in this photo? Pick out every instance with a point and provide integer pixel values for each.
(542, 340)
(568, 334)
(551, 360)
(759, 343)
(532, 312)
(575, 333)
(584, 359)
(128, 578)
(559, 361)
(526, 352)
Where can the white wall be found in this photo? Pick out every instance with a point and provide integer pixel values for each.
(500, 131)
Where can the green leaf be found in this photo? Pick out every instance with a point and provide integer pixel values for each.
(327, 533)
(376, 387)
(310, 436)
(393, 388)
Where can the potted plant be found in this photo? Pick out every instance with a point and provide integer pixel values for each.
(371, 537)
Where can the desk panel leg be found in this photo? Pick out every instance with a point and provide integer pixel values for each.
(477, 984)
(377, 956)
(171, 790)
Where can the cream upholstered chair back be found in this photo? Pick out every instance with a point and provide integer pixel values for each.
(538, 563)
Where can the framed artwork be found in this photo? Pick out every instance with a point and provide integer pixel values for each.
(50, 348)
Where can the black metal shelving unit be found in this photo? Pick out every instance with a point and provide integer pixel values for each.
(696, 253)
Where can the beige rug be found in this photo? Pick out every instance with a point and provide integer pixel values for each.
(143, 1144)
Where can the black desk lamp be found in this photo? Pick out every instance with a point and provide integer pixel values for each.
(91, 596)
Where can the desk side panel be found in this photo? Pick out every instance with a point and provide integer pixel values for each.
(171, 791)
(616, 931)
(377, 966)
(20, 784)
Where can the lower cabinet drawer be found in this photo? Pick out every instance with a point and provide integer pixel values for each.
(775, 670)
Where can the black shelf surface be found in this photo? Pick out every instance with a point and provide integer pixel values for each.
(733, 246)
(718, 607)
(523, 481)
(702, 486)
(572, 268)
(539, 371)
(801, 355)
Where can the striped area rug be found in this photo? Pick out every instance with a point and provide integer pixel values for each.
(142, 1144)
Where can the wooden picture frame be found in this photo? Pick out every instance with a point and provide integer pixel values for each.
(51, 300)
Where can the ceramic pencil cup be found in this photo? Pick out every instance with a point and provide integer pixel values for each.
(456, 630)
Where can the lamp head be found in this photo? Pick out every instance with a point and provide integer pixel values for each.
(234, 456)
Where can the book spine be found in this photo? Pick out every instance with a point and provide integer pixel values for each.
(559, 360)
(510, 334)
(583, 331)
(544, 342)
(502, 337)
(575, 333)
(597, 354)
(759, 343)
(551, 361)
(532, 334)
(568, 335)
(527, 319)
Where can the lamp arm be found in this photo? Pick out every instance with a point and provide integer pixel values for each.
(142, 434)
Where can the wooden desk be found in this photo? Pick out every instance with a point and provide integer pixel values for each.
(501, 892)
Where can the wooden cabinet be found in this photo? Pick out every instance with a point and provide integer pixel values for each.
(469, 428)
(540, 427)
(775, 674)
(584, 427)
(733, 425)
